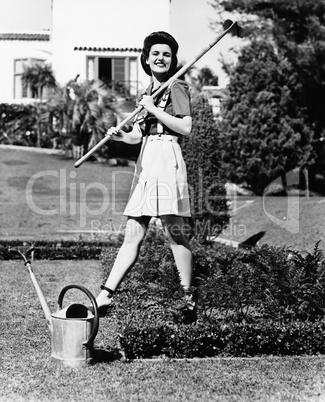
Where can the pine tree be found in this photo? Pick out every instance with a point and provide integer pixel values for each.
(264, 130)
(297, 29)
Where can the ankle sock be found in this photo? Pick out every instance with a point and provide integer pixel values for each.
(108, 290)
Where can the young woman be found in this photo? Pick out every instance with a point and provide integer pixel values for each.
(159, 187)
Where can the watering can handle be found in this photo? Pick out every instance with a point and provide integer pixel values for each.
(94, 303)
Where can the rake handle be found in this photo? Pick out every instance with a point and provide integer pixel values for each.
(228, 26)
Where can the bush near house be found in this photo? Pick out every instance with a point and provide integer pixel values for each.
(17, 124)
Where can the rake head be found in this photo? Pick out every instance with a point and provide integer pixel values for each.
(236, 30)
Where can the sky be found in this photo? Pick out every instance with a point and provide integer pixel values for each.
(19, 15)
(190, 25)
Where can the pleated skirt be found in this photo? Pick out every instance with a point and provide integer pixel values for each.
(159, 185)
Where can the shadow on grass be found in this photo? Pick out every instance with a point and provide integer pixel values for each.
(107, 356)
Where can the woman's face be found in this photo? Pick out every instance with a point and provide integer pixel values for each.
(160, 58)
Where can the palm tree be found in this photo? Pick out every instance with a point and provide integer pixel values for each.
(208, 77)
(84, 111)
(38, 77)
(94, 111)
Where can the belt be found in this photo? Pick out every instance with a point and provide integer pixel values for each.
(162, 137)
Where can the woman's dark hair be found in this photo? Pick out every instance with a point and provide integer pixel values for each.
(159, 37)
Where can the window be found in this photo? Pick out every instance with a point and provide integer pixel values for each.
(119, 73)
(20, 90)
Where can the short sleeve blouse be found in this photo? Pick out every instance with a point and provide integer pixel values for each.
(178, 105)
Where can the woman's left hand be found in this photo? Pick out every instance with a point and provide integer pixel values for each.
(147, 103)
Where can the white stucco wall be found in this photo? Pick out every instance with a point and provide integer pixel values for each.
(86, 23)
(18, 49)
(101, 23)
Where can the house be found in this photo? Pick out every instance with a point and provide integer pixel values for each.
(102, 39)
(88, 40)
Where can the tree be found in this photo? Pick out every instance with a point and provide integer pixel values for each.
(60, 108)
(264, 130)
(298, 31)
(205, 176)
(38, 77)
(296, 27)
(197, 78)
(94, 111)
(208, 77)
(82, 112)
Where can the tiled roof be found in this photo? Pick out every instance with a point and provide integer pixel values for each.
(25, 36)
(108, 49)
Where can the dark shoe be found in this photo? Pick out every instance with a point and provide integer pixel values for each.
(101, 310)
(185, 316)
(185, 311)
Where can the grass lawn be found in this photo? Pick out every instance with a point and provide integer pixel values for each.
(44, 197)
(28, 374)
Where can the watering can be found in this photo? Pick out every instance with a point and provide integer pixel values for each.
(73, 328)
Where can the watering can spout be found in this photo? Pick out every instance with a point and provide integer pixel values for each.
(45, 307)
(49, 323)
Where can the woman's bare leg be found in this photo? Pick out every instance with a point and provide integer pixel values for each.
(127, 256)
(174, 230)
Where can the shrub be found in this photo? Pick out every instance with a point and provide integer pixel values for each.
(57, 250)
(206, 179)
(238, 340)
(266, 283)
(256, 302)
(18, 124)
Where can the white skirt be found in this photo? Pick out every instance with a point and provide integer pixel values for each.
(159, 184)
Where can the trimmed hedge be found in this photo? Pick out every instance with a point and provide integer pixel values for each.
(238, 340)
(57, 250)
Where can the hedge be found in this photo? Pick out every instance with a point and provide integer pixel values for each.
(238, 340)
(57, 250)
